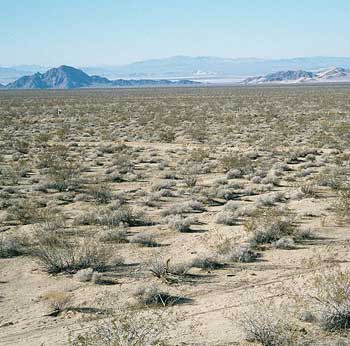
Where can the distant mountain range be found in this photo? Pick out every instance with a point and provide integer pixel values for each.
(195, 68)
(337, 74)
(214, 67)
(67, 77)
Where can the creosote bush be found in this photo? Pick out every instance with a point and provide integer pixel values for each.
(132, 328)
(57, 254)
(269, 325)
(65, 175)
(269, 225)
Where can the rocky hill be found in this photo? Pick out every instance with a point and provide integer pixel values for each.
(337, 74)
(67, 77)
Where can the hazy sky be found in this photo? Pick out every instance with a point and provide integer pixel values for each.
(90, 32)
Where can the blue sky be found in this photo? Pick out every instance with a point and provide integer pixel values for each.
(89, 32)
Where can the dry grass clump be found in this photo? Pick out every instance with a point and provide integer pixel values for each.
(58, 301)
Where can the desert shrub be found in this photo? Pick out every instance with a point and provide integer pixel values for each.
(190, 180)
(303, 233)
(131, 328)
(180, 223)
(163, 269)
(199, 154)
(342, 203)
(167, 135)
(226, 193)
(144, 239)
(329, 295)
(16, 170)
(284, 243)
(24, 211)
(206, 262)
(50, 219)
(162, 186)
(332, 178)
(21, 146)
(152, 199)
(242, 253)
(65, 175)
(269, 225)
(116, 235)
(57, 300)
(113, 217)
(198, 132)
(153, 295)
(57, 254)
(226, 217)
(123, 162)
(29, 211)
(84, 275)
(176, 209)
(271, 179)
(268, 325)
(159, 267)
(236, 161)
(52, 154)
(234, 173)
(42, 139)
(270, 199)
(195, 205)
(11, 246)
(309, 190)
(101, 193)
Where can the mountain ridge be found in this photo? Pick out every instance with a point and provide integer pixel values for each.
(192, 67)
(67, 77)
(335, 74)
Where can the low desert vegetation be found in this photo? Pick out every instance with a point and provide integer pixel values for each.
(56, 253)
(129, 329)
(178, 201)
(328, 296)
